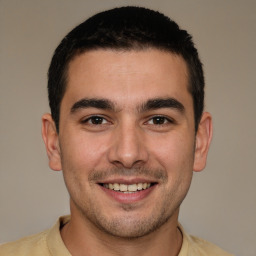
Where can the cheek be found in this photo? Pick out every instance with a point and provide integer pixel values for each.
(81, 152)
(173, 151)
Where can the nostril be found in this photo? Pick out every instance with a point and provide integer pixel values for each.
(129, 165)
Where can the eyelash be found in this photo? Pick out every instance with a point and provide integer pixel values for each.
(92, 120)
(161, 118)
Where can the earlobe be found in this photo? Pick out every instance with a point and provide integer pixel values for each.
(203, 140)
(51, 141)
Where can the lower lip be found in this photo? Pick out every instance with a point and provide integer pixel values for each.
(127, 198)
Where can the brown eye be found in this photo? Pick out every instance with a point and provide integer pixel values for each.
(158, 120)
(160, 123)
(95, 120)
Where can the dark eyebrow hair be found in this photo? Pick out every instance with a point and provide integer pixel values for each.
(92, 103)
(162, 103)
(106, 104)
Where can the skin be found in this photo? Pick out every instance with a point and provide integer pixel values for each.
(126, 142)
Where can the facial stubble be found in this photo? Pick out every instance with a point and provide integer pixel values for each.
(130, 223)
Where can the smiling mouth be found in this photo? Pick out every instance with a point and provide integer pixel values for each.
(127, 188)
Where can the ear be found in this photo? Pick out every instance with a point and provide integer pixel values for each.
(51, 141)
(203, 140)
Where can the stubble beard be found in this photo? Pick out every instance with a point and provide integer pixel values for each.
(130, 224)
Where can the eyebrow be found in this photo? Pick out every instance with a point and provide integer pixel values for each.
(93, 103)
(106, 104)
(162, 103)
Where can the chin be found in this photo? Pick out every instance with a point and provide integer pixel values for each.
(131, 225)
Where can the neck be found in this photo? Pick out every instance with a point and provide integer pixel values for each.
(82, 238)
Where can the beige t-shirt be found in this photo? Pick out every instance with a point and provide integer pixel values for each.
(49, 243)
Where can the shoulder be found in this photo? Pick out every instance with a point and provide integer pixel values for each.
(46, 243)
(202, 247)
(195, 246)
(30, 245)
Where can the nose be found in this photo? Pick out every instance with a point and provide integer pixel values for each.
(128, 147)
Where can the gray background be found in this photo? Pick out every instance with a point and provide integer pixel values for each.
(221, 205)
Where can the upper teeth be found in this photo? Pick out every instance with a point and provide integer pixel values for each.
(125, 187)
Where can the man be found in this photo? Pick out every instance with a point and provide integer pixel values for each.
(127, 128)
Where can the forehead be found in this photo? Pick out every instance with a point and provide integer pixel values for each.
(127, 76)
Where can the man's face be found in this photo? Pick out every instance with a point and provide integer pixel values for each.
(127, 139)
